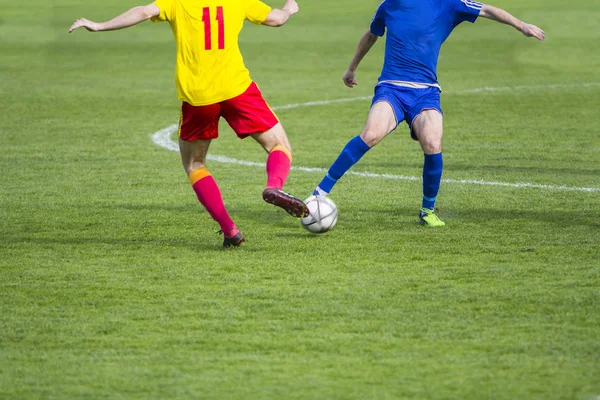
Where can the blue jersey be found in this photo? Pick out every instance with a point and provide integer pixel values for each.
(416, 30)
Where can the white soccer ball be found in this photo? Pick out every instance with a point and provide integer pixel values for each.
(323, 214)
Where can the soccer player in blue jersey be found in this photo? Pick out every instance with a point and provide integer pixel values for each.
(408, 89)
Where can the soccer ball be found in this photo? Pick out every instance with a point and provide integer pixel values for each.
(323, 214)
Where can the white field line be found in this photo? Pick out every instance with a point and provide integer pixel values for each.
(162, 138)
(455, 92)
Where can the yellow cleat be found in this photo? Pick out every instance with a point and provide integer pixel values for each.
(429, 217)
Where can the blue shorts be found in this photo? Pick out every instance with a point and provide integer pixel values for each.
(408, 103)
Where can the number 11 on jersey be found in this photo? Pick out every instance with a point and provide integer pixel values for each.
(206, 18)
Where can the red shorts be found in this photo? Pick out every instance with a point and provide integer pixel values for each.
(247, 113)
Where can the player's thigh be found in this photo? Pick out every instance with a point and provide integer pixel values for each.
(249, 114)
(275, 136)
(198, 125)
(381, 121)
(193, 154)
(428, 126)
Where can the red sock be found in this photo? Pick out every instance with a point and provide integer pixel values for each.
(210, 196)
(278, 167)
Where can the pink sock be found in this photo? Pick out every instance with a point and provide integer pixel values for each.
(278, 167)
(209, 195)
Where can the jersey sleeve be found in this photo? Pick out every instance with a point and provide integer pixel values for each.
(256, 11)
(378, 23)
(166, 10)
(466, 10)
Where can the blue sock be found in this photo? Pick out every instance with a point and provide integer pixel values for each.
(432, 176)
(354, 150)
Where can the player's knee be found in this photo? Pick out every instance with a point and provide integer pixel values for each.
(371, 136)
(285, 147)
(192, 166)
(432, 146)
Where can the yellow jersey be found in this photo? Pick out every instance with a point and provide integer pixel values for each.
(210, 67)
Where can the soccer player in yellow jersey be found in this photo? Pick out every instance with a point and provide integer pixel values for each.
(212, 82)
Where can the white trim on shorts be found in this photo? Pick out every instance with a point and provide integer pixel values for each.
(412, 85)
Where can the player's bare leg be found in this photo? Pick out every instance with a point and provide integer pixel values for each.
(428, 126)
(193, 157)
(277, 145)
(380, 122)
(275, 136)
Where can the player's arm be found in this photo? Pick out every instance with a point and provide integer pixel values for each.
(498, 14)
(129, 18)
(278, 17)
(364, 45)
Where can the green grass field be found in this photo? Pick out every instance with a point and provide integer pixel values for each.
(113, 283)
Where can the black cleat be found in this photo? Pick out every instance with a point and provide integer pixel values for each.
(235, 241)
(295, 207)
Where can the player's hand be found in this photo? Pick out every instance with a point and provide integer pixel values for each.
(533, 31)
(348, 78)
(291, 6)
(85, 23)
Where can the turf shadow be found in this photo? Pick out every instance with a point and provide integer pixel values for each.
(204, 244)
